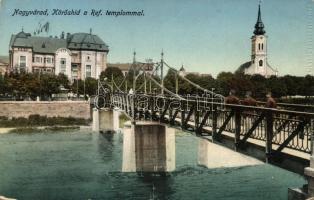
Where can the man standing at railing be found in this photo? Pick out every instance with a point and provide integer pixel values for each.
(249, 101)
(270, 103)
(232, 99)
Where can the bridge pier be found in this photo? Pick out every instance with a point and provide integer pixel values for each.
(214, 155)
(148, 147)
(105, 120)
(309, 172)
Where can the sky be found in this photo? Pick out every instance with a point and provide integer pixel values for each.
(207, 36)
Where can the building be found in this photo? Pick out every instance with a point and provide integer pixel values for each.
(124, 67)
(77, 55)
(258, 63)
(183, 72)
(4, 64)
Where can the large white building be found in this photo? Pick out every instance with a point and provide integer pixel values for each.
(258, 63)
(78, 55)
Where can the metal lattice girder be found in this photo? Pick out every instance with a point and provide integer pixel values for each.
(173, 118)
(299, 128)
(162, 116)
(251, 130)
(200, 127)
(223, 126)
(189, 115)
(283, 125)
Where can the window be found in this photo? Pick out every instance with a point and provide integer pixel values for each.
(88, 71)
(22, 62)
(62, 65)
(260, 63)
(48, 60)
(262, 46)
(259, 46)
(37, 59)
(74, 72)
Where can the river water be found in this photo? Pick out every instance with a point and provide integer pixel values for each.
(86, 165)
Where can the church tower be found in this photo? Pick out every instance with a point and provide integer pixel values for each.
(259, 46)
(258, 63)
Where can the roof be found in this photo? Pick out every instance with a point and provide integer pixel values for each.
(38, 44)
(182, 69)
(259, 26)
(126, 66)
(86, 41)
(244, 66)
(76, 41)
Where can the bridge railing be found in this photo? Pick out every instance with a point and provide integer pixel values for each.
(286, 129)
(273, 127)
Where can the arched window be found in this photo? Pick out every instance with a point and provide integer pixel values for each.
(259, 46)
(260, 63)
(262, 46)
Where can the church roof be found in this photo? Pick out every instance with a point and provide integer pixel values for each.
(244, 66)
(259, 26)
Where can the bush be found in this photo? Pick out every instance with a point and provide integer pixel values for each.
(37, 120)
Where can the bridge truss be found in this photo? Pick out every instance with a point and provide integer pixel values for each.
(208, 115)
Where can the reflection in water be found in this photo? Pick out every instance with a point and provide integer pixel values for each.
(88, 166)
(106, 146)
(159, 186)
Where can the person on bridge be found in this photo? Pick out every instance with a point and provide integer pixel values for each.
(232, 99)
(270, 103)
(249, 100)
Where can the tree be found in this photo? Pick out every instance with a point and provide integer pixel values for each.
(90, 86)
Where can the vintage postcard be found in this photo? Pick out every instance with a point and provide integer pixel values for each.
(138, 99)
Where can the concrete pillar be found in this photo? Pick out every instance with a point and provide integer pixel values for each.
(309, 172)
(148, 147)
(128, 161)
(108, 120)
(95, 126)
(213, 155)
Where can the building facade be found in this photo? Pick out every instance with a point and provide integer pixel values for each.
(258, 63)
(77, 55)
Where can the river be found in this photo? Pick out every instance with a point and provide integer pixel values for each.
(86, 165)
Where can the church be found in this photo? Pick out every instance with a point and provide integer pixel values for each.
(258, 63)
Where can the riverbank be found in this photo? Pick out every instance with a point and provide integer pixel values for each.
(6, 130)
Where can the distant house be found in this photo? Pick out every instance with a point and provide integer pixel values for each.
(124, 67)
(4, 64)
(183, 72)
(77, 55)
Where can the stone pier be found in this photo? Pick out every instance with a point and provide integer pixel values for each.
(105, 120)
(213, 155)
(148, 147)
(309, 173)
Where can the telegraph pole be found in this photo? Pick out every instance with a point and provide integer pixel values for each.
(162, 72)
(177, 84)
(134, 75)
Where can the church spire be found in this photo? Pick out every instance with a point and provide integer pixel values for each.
(259, 26)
